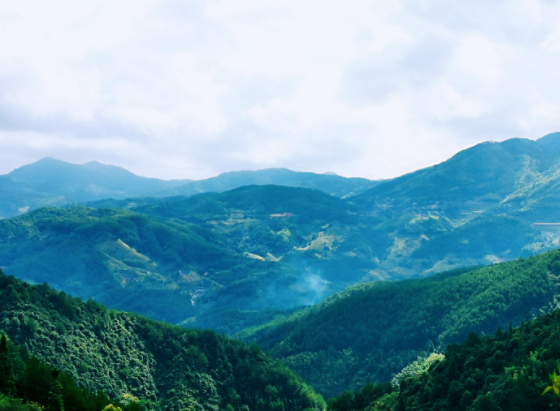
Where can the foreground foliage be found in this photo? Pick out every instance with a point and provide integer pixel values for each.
(371, 331)
(125, 354)
(27, 383)
(507, 371)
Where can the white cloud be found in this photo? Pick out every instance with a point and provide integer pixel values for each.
(187, 89)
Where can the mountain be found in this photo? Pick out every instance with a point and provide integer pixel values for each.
(125, 354)
(122, 258)
(243, 257)
(474, 179)
(369, 332)
(175, 260)
(50, 182)
(329, 183)
(506, 371)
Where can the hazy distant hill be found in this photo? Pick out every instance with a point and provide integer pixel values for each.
(265, 247)
(328, 183)
(369, 332)
(50, 182)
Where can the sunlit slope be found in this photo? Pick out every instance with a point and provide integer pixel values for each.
(473, 179)
(370, 331)
(122, 353)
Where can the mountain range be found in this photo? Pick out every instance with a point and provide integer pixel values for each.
(233, 259)
(347, 281)
(50, 182)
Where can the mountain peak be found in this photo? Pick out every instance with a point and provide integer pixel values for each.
(550, 141)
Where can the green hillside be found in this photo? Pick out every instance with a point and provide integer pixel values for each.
(254, 248)
(485, 173)
(274, 248)
(369, 332)
(125, 259)
(506, 371)
(29, 384)
(177, 268)
(125, 354)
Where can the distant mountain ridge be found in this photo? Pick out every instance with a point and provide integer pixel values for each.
(329, 183)
(50, 182)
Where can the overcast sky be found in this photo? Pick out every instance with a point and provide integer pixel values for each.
(189, 89)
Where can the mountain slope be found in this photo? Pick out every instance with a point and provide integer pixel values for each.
(199, 258)
(328, 183)
(120, 353)
(507, 371)
(122, 258)
(473, 179)
(54, 182)
(371, 331)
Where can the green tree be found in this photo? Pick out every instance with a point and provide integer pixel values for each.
(55, 398)
(7, 378)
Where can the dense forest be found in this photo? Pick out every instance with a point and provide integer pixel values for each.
(29, 384)
(505, 371)
(369, 332)
(127, 355)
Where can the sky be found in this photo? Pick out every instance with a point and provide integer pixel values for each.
(190, 89)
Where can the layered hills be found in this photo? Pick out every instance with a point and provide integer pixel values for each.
(236, 258)
(332, 184)
(176, 259)
(369, 332)
(128, 355)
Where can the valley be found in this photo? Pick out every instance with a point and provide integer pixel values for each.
(347, 281)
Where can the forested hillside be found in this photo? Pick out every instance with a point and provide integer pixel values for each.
(369, 332)
(241, 252)
(29, 384)
(481, 175)
(125, 354)
(177, 268)
(508, 370)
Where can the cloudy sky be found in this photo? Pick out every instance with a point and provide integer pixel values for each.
(189, 89)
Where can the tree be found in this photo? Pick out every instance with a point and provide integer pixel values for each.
(7, 378)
